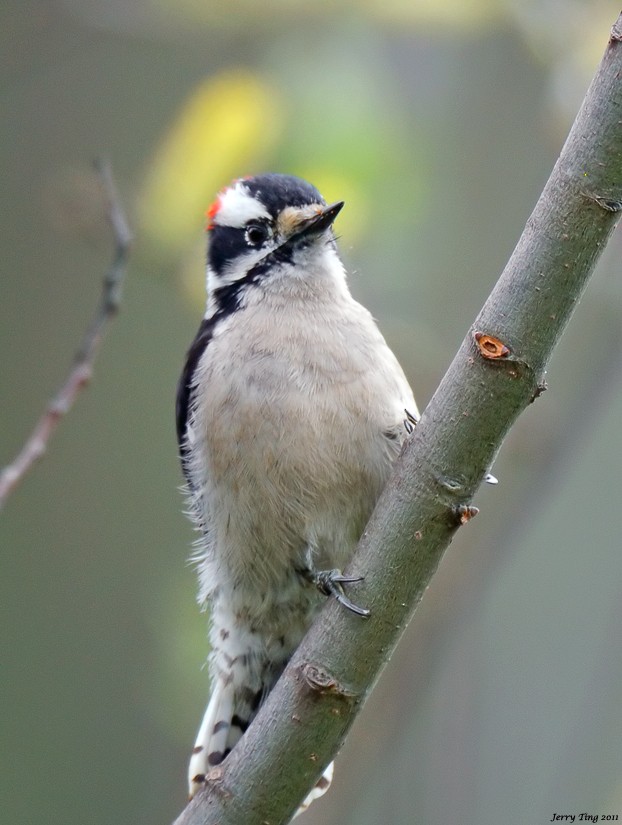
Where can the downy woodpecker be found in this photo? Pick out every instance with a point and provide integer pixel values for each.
(290, 413)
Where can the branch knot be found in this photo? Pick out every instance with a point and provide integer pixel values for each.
(320, 681)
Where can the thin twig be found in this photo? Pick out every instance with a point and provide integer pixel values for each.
(82, 368)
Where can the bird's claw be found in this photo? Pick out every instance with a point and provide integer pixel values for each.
(410, 422)
(330, 583)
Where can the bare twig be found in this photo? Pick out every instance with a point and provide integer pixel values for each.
(82, 369)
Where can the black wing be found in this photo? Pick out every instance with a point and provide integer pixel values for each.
(184, 388)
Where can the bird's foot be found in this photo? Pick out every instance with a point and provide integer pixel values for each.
(410, 422)
(330, 583)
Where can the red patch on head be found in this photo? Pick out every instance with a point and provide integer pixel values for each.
(214, 208)
(212, 212)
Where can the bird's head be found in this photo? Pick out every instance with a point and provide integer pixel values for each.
(263, 228)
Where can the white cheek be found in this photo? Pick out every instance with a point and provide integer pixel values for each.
(235, 271)
(240, 267)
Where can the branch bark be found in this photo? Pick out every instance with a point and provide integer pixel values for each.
(82, 369)
(495, 375)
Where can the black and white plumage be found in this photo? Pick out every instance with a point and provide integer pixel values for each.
(290, 413)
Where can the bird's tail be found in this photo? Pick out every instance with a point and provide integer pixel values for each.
(228, 714)
(245, 663)
(226, 718)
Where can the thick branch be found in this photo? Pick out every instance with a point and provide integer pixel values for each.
(497, 372)
(82, 368)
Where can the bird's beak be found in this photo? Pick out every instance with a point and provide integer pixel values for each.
(318, 222)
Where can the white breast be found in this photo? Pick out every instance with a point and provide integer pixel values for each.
(296, 401)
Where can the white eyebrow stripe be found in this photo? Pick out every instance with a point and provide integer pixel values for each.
(236, 206)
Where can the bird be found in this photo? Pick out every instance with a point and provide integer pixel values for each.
(291, 411)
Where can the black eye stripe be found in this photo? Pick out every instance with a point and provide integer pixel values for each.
(225, 244)
(229, 242)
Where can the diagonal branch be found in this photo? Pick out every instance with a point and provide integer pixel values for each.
(496, 374)
(82, 368)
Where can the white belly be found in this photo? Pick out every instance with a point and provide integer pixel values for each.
(293, 451)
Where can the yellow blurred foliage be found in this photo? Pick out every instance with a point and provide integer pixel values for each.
(226, 127)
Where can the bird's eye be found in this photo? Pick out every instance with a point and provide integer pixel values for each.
(256, 234)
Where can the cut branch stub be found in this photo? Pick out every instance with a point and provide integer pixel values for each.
(320, 681)
(490, 347)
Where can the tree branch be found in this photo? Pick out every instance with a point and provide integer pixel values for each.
(496, 374)
(82, 369)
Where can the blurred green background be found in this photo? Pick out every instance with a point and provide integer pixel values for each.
(438, 123)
